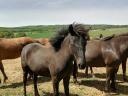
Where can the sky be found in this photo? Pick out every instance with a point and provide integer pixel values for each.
(15, 13)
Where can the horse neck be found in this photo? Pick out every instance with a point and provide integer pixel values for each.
(65, 51)
(122, 42)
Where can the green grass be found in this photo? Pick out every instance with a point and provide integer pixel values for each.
(107, 32)
(40, 35)
(93, 33)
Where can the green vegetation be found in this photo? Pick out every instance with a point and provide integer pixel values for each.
(109, 31)
(47, 31)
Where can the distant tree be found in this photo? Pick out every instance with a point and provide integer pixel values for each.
(6, 35)
(21, 34)
(1, 35)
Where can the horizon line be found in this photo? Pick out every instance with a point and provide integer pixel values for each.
(58, 24)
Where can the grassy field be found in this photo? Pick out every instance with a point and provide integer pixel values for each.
(93, 33)
(88, 86)
(107, 32)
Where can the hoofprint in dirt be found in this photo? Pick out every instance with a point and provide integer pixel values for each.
(88, 86)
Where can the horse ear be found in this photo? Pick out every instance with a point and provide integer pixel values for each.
(71, 30)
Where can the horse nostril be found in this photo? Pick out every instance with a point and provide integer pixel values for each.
(81, 66)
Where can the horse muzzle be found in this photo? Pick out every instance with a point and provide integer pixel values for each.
(81, 63)
(81, 66)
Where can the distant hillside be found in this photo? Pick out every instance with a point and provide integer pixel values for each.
(43, 31)
(53, 28)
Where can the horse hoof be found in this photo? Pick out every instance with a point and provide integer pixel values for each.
(93, 76)
(125, 80)
(76, 82)
(5, 80)
(114, 90)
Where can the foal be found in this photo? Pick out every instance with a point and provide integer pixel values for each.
(55, 61)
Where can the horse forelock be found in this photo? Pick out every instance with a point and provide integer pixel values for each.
(80, 29)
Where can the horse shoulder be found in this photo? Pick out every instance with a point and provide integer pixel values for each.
(110, 54)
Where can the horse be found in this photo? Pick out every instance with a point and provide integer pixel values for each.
(86, 69)
(11, 49)
(107, 53)
(43, 41)
(123, 61)
(56, 60)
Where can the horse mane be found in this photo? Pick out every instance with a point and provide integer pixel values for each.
(113, 35)
(57, 40)
(108, 37)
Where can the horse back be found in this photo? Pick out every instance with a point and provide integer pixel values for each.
(36, 57)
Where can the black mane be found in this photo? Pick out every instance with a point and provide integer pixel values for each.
(108, 37)
(77, 29)
(58, 38)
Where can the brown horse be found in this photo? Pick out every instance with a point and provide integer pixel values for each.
(97, 38)
(55, 61)
(43, 41)
(11, 49)
(123, 61)
(107, 53)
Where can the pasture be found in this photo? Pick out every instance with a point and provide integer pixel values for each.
(93, 33)
(88, 86)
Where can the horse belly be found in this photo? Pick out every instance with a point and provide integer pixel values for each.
(9, 54)
(44, 72)
(40, 70)
(96, 62)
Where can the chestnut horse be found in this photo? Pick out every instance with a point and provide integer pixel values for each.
(109, 53)
(11, 49)
(55, 61)
(43, 41)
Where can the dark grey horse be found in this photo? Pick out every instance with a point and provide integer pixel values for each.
(123, 63)
(107, 53)
(55, 61)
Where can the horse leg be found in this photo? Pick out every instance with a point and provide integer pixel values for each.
(113, 78)
(92, 73)
(112, 85)
(35, 85)
(3, 72)
(124, 69)
(25, 73)
(75, 72)
(66, 85)
(55, 86)
(108, 78)
(86, 71)
(30, 75)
